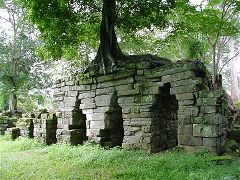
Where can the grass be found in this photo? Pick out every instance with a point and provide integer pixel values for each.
(28, 159)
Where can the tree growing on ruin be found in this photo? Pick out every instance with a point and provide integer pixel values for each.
(64, 24)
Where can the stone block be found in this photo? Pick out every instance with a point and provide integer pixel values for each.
(98, 116)
(105, 109)
(88, 101)
(81, 87)
(89, 94)
(131, 92)
(211, 142)
(187, 82)
(126, 100)
(183, 89)
(141, 122)
(184, 119)
(118, 75)
(203, 130)
(178, 76)
(189, 140)
(185, 96)
(115, 83)
(188, 110)
(208, 119)
(211, 93)
(186, 102)
(105, 91)
(139, 115)
(210, 109)
(72, 93)
(70, 101)
(208, 101)
(150, 90)
(185, 129)
(105, 100)
(88, 106)
(124, 87)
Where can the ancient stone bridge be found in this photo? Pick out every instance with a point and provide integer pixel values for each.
(144, 107)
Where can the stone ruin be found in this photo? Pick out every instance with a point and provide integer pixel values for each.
(40, 125)
(144, 106)
(138, 106)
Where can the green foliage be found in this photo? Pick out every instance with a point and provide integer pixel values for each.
(238, 104)
(19, 71)
(90, 161)
(195, 30)
(3, 100)
(64, 24)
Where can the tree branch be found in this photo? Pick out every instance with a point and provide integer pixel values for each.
(229, 61)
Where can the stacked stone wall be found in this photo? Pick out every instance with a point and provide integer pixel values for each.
(6, 122)
(143, 107)
(45, 128)
(25, 126)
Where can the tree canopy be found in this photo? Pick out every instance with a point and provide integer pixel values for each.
(65, 24)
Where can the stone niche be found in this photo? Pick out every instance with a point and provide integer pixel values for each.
(140, 106)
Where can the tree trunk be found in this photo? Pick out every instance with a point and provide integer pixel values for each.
(109, 53)
(234, 79)
(12, 107)
(12, 101)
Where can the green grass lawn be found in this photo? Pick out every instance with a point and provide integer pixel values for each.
(28, 159)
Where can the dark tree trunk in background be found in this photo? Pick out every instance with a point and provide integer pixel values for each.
(109, 53)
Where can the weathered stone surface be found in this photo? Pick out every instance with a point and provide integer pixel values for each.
(150, 90)
(187, 82)
(141, 105)
(119, 75)
(188, 110)
(115, 83)
(131, 92)
(211, 142)
(210, 109)
(126, 100)
(189, 140)
(208, 101)
(185, 96)
(89, 94)
(185, 129)
(183, 89)
(208, 119)
(210, 94)
(184, 119)
(186, 102)
(203, 130)
(178, 76)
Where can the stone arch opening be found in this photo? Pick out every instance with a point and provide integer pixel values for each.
(113, 133)
(165, 122)
(78, 128)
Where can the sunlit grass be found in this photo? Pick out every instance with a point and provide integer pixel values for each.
(29, 159)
